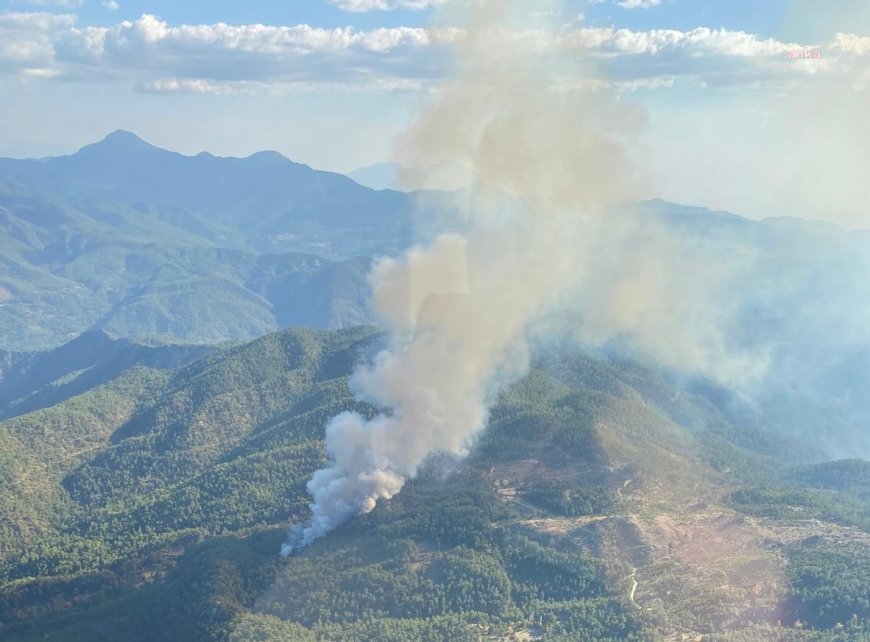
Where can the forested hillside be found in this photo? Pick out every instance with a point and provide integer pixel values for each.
(33, 380)
(158, 499)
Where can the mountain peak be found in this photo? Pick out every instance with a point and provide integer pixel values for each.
(90, 339)
(269, 156)
(119, 141)
(122, 136)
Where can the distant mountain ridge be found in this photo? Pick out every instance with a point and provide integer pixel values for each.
(140, 241)
(390, 175)
(264, 203)
(30, 381)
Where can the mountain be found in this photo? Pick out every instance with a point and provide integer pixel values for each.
(132, 239)
(377, 176)
(194, 294)
(394, 176)
(140, 242)
(603, 503)
(264, 203)
(29, 381)
(780, 314)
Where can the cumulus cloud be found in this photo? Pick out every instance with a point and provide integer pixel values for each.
(701, 41)
(639, 4)
(53, 3)
(151, 53)
(384, 5)
(27, 41)
(258, 53)
(111, 5)
(851, 43)
(711, 57)
(184, 86)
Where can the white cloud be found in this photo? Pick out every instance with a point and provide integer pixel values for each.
(851, 43)
(111, 5)
(149, 50)
(27, 39)
(639, 4)
(39, 72)
(185, 86)
(700, 41)
(155, 56)
(359, 6)
(709, 57)
(203, 86)
(152, 33)
(52, 3)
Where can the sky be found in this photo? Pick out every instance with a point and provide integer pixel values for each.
(731, 122)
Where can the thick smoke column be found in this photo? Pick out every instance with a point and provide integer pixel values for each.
(546, 157)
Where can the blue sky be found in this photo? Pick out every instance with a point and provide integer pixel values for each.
(791, 19)
(333, 82)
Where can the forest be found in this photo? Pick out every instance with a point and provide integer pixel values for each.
(184, 480)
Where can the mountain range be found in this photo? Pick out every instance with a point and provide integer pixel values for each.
(176, 331)
(142, 243)
(137, 240)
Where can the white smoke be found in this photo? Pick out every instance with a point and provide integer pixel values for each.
(457, 310)
(702, 296)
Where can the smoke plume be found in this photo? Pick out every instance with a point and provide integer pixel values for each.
(545, 159)
(753, 307)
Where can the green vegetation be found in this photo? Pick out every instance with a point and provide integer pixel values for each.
(789, 503)
(157, 499)
(563, 498)
(829, 589)
(853, 632)
(829, 585)
(837, 491)
(163, 496)
(850, 476)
